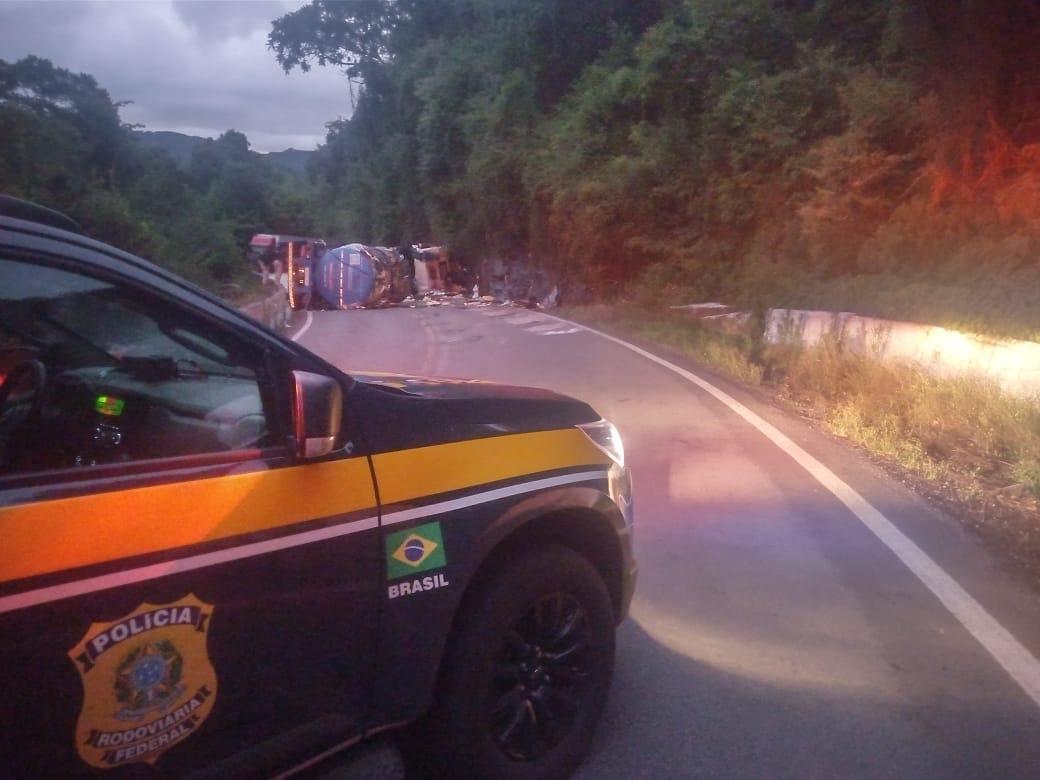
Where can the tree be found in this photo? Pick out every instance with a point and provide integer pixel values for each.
(65, 147)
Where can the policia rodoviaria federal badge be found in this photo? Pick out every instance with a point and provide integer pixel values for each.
(148, 682)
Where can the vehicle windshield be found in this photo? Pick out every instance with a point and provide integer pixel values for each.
(85, 322)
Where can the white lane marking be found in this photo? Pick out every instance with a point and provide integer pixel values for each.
(1015, 659)
(526, 318)
(562, 332)
(310, 319)
(534, 322)
(543, 328)
(142, 573)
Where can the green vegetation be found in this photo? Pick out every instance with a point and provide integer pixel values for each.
(937, 427)
(880, 156)
(65, 147)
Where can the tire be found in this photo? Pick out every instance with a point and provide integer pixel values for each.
(525, 676)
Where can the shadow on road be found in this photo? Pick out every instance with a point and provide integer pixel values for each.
(673, 717)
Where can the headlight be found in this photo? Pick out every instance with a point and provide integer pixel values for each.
(605, 436)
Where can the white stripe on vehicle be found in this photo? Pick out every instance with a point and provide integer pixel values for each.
(153, 571)
(404, 515)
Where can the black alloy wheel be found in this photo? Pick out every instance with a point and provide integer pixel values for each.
(541, 678)
(525, 675)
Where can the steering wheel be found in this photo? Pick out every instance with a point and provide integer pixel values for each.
(21, 393)
(21, 399)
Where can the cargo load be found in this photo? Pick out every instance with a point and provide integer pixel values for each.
(356, 275)
(432, 270)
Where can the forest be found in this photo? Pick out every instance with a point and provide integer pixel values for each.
(880, 156)
(64, 146)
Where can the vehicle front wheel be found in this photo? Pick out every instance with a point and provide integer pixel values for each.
(526, 674)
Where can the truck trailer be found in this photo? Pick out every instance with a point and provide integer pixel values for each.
(356, 275)
(297, 256)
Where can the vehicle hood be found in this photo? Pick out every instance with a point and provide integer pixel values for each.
(441, 387)
(414, 411)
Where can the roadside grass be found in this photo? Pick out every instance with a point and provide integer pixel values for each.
(938, 427)
(728, 354)
(964, 434)
(1027, 472)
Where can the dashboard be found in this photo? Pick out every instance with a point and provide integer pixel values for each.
(153, 408)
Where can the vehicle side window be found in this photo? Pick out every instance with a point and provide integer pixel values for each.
(93, 373)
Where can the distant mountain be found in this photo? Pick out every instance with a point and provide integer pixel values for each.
(290, 159)
(180, 147)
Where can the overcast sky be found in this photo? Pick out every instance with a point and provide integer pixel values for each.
(199, 67)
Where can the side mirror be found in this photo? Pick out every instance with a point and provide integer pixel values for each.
(317, 413)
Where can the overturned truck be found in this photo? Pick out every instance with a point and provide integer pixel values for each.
(353, 275)
(357, 275)
(272, 255)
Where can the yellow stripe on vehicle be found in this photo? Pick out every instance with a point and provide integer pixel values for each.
(49, 536)
(64, 533)
(406, 475)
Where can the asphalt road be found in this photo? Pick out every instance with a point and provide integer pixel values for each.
(773, 634)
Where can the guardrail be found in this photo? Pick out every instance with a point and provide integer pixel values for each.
(1013, 364)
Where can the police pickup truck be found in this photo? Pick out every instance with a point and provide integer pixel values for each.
(220, 556)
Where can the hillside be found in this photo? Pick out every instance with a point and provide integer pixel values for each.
(294, 160)
(809, 153)
(181, 147)
(178, 145)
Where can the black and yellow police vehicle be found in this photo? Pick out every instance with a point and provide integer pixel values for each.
(220, 556)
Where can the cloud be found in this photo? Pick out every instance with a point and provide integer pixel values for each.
(199, 68)
(218, 21)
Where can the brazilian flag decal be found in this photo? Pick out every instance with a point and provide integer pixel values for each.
(415, 550)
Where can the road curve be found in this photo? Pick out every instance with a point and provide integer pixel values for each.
(773, 634)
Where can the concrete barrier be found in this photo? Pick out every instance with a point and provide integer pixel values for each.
(1014, 365)
(268, 311)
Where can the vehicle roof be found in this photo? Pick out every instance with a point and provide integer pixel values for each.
(34, 212)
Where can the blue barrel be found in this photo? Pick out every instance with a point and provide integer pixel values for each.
(359, 275)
